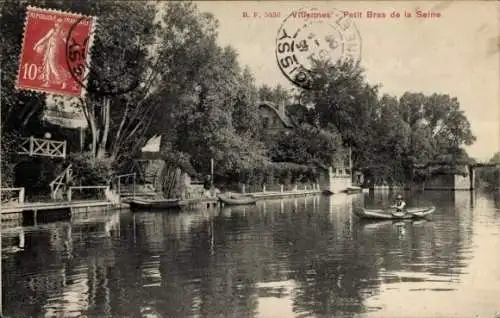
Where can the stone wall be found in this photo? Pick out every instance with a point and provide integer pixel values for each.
(449, 182)
(462, 182)
(334, 180)
(438, 182)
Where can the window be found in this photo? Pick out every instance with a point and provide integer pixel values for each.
(266, 122)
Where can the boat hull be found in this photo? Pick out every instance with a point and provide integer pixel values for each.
(244, 200)
(353, 189)
(391, 214)
(144, 204)
(327, 192)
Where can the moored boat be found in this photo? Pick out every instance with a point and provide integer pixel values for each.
(156, 204)
(353, 189)
(392, 214)
(237, 199)
(327, 192)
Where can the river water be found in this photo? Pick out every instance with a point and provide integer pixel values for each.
(303, 257)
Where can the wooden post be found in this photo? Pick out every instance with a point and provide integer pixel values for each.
(350, 165)
(281, 188)
(81, 139)
(133, 186)
(64, 148)
(472, 177)
(21, 196)
(243, 188)
(119, 192)
(211, 172)
(31, 145)
(69, 194)
(263, 188)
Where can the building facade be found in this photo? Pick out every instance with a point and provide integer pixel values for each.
(462, 179)
(274, 118)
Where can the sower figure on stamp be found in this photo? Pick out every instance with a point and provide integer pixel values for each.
(51, 46)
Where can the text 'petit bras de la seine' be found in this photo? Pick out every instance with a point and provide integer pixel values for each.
(391, 14)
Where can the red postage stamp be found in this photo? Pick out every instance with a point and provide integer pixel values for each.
(43, 64)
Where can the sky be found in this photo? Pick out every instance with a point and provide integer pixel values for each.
(456, 53)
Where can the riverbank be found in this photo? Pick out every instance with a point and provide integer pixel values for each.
(85, 205)
(284, 194)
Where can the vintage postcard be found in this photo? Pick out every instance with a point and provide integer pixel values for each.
(267, 159)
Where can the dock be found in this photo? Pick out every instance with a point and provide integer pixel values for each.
(55, 205)
(284, 194)
(86, 205)
(203, 202)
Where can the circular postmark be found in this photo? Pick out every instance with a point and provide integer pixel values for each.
(309, 34)
(114, 67)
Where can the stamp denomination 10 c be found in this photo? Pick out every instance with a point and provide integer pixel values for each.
(309, 34)
(42, 64)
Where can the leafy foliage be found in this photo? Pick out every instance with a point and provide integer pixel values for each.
(490, 176)
(203, 103)
(390, 137)
(87, 171)
(297, 147)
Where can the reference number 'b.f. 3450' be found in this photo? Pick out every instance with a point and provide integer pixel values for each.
(307, 35)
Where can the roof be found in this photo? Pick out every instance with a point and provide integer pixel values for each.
(285, 118)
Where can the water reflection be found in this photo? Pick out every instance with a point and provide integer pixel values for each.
(55, 271)
(280, 258)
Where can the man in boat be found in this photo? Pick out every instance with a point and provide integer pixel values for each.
(400, 204)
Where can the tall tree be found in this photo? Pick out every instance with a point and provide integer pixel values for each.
(119, 55)
(205, 92)
(342, 99)
(245, 113)
(277, 94)
(296, 147)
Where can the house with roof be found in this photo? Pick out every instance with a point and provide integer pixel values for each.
(274, 118)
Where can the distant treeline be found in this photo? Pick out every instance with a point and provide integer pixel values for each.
(489, 177)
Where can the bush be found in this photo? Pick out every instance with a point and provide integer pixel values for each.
(89, 171)
(8, 153)
(277, 172)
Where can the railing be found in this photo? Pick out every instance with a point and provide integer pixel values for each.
(20, 196)
(60, 182)
(194, 191)
(42, 147)
(245, 188)
(121, 185)
(89, 192)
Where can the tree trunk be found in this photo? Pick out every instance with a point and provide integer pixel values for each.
(101, 151)
(94, 133)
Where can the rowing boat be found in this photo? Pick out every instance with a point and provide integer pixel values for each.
(150, 204)
(237, 199)
(353, 189)
(392, 214)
